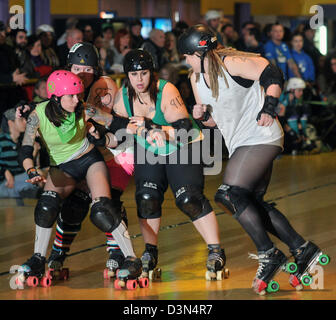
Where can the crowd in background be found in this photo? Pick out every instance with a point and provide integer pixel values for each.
(306, 106)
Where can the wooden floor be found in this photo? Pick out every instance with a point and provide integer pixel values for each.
(304, 188)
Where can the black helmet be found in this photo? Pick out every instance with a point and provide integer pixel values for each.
(83, 53)
(197, 38)
(138, 59)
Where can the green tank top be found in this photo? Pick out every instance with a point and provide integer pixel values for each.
(59, 151)
(159, 119)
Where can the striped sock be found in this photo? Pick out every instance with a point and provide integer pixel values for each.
(65, 235)
(111, 243)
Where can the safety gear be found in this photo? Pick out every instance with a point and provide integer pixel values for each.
(295, 83)
(212, 14)
(137, 60)
(83, 53)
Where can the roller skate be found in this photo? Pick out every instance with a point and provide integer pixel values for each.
(215, 265)
(32, 272)
(129, 275)
(270, 263)
(55, 265)
(149, 261)
(306, 258)
(113, 264)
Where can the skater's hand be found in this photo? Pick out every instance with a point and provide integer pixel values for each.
(35, 176)
(198, 111)
(21, 111)
(9, 179)
(156, 138)
(265, 120)
(137, 121)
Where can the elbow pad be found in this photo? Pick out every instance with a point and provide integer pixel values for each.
(24, 153)
(271, 75)
(182, 124)
(118, 123)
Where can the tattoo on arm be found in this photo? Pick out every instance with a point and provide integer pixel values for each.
(33, 123)
(177, 102)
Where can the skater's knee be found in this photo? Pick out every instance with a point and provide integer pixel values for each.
(104, 215)
(76, 207)
(268, 206)
(233, 199)
(149, 204)
(47, 209)
(191, 201)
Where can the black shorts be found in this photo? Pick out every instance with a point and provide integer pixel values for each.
(78, 168)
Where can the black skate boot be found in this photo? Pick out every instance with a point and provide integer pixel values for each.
(113, 264)
(31, 271)
(215, 264)
(306, 257)
(129, 274)
(270, 263)
(55, 265)
(149, 261)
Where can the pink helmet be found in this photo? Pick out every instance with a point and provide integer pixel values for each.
(62, 82)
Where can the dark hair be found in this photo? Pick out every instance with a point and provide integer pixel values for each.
(256, 33)
(246, 23)
(56, 114)
(227, 25)
(295, 34)
(328, 73)
(40, 81)
(31, 40)
(152, 88)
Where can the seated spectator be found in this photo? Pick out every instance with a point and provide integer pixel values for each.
(212, 18)
(12, 176)
(180, 27)
(70, 23)
(326, 80)
(88, 34)
(155, 46)
(278, 53)
(230, 36)
(240, 43)
(40, 90)
(135, 27)
(252, 41)
(108, 32)
(309, 46)
(122, 45)
(170, 73)
(47, 34)
(171, 49)
(302, 60)
(73, 36)
(105, 55)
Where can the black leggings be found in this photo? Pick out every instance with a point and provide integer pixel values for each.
(250, 167)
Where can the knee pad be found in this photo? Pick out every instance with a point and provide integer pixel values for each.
(75, 207)
(191, 201)
(47, 209)
(148, 203)
(232, 199)
(104, 215)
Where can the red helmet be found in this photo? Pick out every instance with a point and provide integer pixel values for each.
(62, 82)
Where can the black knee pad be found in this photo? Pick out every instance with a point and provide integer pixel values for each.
(191, 201)
(232, 199)
(75, 207)
(148, 203)
(47, 209)
(104, 215)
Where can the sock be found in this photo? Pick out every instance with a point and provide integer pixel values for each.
(293, 123)
(65, 235)
(42, 238)
(111, 243)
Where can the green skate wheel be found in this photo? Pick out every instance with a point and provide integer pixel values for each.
(291, 267)
(324, 260)
(273, 286)
(307, 280)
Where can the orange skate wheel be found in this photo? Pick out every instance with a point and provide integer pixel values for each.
(32, 281)
(143, 282)
(46, 282)
(131, 284)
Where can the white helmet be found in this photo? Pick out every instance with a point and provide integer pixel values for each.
(44, 28)
(212, 14)
(295, 83)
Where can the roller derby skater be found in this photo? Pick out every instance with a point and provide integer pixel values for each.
(61, 125)
(151, 110)
(239, 92)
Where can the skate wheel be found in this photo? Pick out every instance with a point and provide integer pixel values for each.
(291, 267)
(259, 286)
(116, 284)
(46, 282)
(19, 282)
(210, 276)
(64, 274)
(143, 282)
(295, 282)
(226, 273)
(219, 275)
(273, 286)
(156, 274)
(32, 281)
(307, 280)
(324, 259)
(131, 284)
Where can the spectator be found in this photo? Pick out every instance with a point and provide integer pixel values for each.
(135, 31)
(252, 41)
(302, 60)
(155, 46)
(88, 34)
(49, 56)
(240, 43)
(278, 53)
(70, 23)
(105, 55)
(73, 36)
(12, 176)
(40, 90)
(108, 33)
(309, 46)
(212, 18)
(230, 35)
(122, 45)
(170, 73)
(180, 27)
(171, 49)
(326, 80)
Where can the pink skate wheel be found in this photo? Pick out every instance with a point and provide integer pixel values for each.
(32, 281)
(46, 282)
(116, 284)
(143, 282)
(131, 284)
(64, 274)
(106, 274)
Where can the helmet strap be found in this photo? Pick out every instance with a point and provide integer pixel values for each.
(202, 57)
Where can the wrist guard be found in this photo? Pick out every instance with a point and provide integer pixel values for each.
(118, 123)
(269, 107)
(32, 173)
